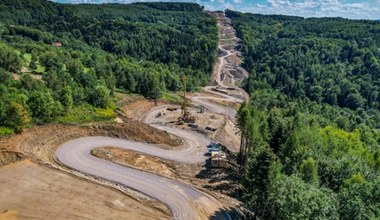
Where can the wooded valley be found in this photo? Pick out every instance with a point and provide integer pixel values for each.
(85, 52)
(310, 132)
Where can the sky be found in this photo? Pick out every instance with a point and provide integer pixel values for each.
(355, 9)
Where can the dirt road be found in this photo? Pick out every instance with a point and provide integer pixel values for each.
(229, 93)
(184, 202)
(219, 109)
(229, 56)
(32, 191)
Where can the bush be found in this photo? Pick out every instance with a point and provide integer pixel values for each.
(5, 131)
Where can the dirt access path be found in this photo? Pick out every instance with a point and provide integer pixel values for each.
(189, 202)
(31, 191)
(228, 71)
(183, 201)
(53, 186)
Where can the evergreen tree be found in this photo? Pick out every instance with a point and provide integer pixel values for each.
(309, 171)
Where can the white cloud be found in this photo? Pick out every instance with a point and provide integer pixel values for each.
(319, 8)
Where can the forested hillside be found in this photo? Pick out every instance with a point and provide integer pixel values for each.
(85, 52)
(310, 133)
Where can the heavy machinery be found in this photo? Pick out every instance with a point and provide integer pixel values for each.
(185, 114)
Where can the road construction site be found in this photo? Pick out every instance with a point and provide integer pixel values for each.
(147, 165)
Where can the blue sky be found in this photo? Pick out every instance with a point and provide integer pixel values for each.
(356, 9)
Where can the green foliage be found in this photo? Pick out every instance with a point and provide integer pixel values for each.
(314, 94)
(329, 60)
(340, 142)
(327, 159)
(260, 175)
(100, 96)
(85, 114)
(359, 199)
(307, 146)
(67, 98)
(150, 86)
(9, 59)
(42, 106)
(85, 52)
(75, 68)
(309, 171)
(172, 98)
(17, 117)
(33, 65)
(51, 61)
(179, 35)
(291, 198)
(5, 131)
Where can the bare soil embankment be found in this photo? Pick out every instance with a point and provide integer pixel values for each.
(31, 191)
(38, 145)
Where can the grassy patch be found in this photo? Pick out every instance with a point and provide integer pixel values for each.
(5, 131)
(123, 98)
(40, 69)
(87, 113)
(123, 91)
(86, 70)
(27, 58)
(172, 98)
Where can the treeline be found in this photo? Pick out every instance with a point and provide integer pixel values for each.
(310, 133)
(327, 60)
(64, 84)
(76, 51)
(177, 33)
(297, 164)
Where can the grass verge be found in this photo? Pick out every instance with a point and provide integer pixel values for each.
(87, 113)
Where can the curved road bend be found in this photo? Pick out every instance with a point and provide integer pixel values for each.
(185, 202)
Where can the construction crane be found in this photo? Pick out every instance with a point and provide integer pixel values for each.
(185, 114)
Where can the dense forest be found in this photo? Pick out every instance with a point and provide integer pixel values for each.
(310, 132)
(56, 59)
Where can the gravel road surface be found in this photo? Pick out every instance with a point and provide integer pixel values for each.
(186, 203)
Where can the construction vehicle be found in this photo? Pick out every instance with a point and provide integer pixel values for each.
(218, 161)
(185, 114)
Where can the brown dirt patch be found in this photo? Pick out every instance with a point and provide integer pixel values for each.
(228, 135)
(134, 160)
(137, 131)
(139, 107)
(9, 215)
(7, 157)
(38, 192)
(39, 143)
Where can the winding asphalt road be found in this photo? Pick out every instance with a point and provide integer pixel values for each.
(186, 203)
